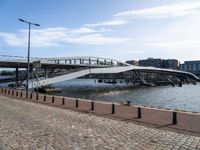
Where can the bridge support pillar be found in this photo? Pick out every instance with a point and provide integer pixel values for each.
(141, 77)
(17, 77)
(45, 73)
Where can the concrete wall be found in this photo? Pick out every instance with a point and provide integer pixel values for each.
(58, 100)
(156, 116)
(126, 112)
(163, 117)
(188, 121)
(84, 104)
(102, 108)
(40, 98)
(48, 99)
(34, 96)
(70, 102)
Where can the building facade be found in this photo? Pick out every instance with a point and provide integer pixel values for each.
(132, 62)
(191, 66)
(171, 64)
(160, 63)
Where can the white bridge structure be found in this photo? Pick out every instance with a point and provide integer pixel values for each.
(53, 70)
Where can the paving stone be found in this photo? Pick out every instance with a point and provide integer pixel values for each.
(26, 125)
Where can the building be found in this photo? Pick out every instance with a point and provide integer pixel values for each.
(191, 66)
(158, 63)
(171, 64)
(132, 62)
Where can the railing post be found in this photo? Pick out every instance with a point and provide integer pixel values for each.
(174, 118)
(92, 105)
(53, 99)
(113, 108)
(12, 92)
(139, 113)
(63, 101)
(76, 103)
(44, 98)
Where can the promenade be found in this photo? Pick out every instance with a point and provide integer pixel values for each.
(26, 125)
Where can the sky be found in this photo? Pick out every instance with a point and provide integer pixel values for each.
(118, 29)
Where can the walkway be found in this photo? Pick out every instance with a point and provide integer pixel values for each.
(26, 125)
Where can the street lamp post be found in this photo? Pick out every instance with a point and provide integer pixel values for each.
(28, 58)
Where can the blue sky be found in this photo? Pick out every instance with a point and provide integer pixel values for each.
(120, 29)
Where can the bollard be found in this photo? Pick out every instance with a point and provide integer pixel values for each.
(37, 96)
(174, 119)
(45, 98)
(2, 90)
(31, 95)
(5, 91)
(53, 99)
(128, 103)
(63, 101)
(21, 94)
(16, 93)
(113, 108)
(76, 103)
(8, 92)
(92, 106)
(12, 92)
(139, 112)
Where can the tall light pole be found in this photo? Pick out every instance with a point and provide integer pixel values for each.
(28, 58)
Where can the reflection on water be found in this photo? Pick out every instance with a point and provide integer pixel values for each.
(182, 98)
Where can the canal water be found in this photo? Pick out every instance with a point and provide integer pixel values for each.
(186, 97)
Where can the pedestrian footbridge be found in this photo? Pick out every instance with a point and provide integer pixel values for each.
(59, 69)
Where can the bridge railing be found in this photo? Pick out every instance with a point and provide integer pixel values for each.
(87, 60)
(94, 61)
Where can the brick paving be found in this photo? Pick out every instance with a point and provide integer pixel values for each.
(26, 125)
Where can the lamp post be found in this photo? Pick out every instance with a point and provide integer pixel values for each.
(28, 58)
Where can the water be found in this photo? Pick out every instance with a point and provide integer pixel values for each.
(186, 97)
(4, 84)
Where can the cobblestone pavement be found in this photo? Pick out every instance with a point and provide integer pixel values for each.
(26, 125)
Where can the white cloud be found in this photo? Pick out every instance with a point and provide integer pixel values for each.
(96, 39)
(60, 36)
(176, 45)
(108, 23)
(181, 9)
(12, 39)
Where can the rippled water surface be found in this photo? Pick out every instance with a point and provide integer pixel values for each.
(182, 98)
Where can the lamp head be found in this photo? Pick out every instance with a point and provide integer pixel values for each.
(21, 20)
(36, 24)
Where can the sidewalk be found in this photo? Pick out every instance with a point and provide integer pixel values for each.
(27, 125)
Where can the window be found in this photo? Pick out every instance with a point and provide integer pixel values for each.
(189, 67)
(199, 67)
(185, 67)
(194, 68)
